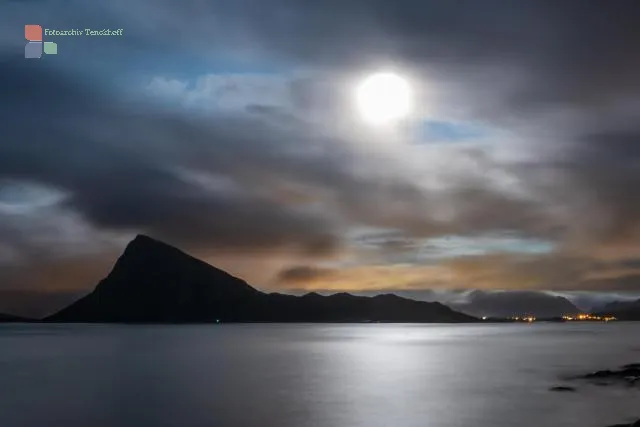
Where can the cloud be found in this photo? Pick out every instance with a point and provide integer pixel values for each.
(543, 53)
(550, 272)
(242, 141)
(226, 91)
(303, 274)
(230, 181)
(134, 169)
(627, 283)
(452, 246)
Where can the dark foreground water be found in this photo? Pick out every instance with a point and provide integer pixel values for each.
(312, 375)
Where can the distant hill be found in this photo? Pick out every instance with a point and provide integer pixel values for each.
(35, 303)
(623, 310)
(4, 318)
(515, 303)
(153, 282)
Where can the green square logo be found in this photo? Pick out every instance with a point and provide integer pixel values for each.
(50, 48)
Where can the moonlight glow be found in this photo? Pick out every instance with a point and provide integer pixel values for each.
(383, 98)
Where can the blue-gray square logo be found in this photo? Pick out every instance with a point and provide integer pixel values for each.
(33, 50)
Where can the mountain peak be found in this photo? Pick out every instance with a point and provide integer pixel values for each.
(388, 296)
(143, 239)
(142, 242)
(153, 282)
(312, 295)
(156, 282)
(148, 252)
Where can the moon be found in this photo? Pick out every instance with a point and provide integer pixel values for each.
(383, 98)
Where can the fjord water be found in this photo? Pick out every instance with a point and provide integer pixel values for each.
(366, 375)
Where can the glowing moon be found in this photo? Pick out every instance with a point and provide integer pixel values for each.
(383, 98)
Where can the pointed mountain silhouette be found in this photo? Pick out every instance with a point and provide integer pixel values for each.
(153, 282)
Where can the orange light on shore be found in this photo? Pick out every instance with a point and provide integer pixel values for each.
(589, 317)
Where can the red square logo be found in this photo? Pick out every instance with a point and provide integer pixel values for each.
(33, 33)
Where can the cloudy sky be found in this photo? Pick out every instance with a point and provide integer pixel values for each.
(229, 128)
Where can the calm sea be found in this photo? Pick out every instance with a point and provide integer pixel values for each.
(312, 375)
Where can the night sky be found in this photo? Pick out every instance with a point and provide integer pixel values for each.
(228, 128)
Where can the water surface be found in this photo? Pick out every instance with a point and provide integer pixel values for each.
(370, 375)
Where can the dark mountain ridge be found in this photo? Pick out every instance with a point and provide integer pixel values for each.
(6, 318)
(515, 303)
(153, 282)
(622, 310)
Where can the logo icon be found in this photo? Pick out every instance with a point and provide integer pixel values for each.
(35, 45)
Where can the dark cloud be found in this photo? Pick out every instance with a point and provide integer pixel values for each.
(520, 54)
(625, 283)
(605, 169)
(232, 182)
(629, 263)
(303, 274)
(120, 168)
(576, 52)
